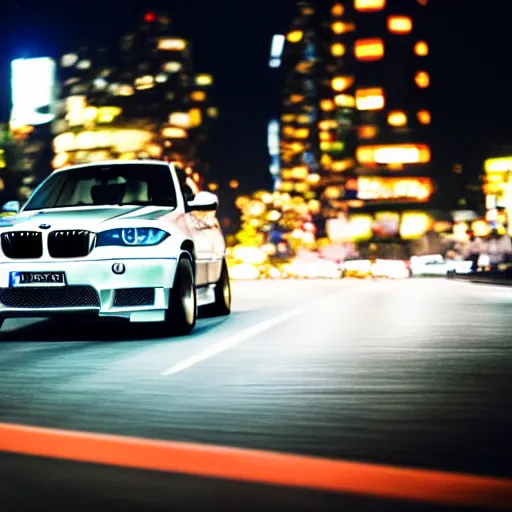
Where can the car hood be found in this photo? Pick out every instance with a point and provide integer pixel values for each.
(82, 218)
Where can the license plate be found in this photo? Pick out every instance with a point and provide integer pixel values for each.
(19, 279)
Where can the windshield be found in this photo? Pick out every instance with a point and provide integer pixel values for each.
(130, 184)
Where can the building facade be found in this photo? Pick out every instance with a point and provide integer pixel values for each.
(139, 99)
(355, 120)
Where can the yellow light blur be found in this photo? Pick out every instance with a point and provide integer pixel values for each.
(369, 49)
(502, 164)
(107, 114)
(369, 5)
(244, 271)
(299, 173)
(198, 96)
(397, 118)
(288, 118)
(204, 79)
(372, 188)
(172, 67)
(423, 2)
(345, 100)
(360, 227)
(251, 255)
(195, 117)
(301, 133)
(60, 160)
(180, 119)
(324, 136)
(213, 112)
(296, 98)
(303, 119)
(125, 90)
(421, 49)
(343, 165)
(172, 44)
(294, 36)
(90, 113)
(337, 10)
(212, 187)
(481, 228)
(120, 141)
(424, 117)
(313, 178)
(172, 132)
(301, 187)
(234, 184)
(370, 99)
(399, 24)
(338, 50)
(144, 82)
(328, 124)
(422, 79)
(367, 131)
(327, 105)
(414, 225)
(339, 27)
(154, 150)
(341, 83)
(273, 215)
(394, 154)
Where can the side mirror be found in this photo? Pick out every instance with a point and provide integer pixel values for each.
(12, 207)
(203, 202)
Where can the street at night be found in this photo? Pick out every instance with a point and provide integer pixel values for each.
(408, 373)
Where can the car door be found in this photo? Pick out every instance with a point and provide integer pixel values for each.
(199, 230)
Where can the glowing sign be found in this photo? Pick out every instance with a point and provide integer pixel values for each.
(370, 188)
(276, 50)
(370, 99)
(399, 24)
(369, 5)
(369, 49)
(394, 154)
(33, 91)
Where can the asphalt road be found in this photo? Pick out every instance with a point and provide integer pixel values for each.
(412, 373)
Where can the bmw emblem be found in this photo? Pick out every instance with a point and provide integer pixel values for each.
(118, 268)
(44, 226)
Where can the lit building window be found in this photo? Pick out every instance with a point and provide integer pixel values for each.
(369, 5)
(339, 27)
(338, 49)
(327, 105)
(397, 118)
(337, 10)
(172, 44)
(198, 96)
(295, 36)
(422, 79)
(421, 49)
(394, 154)
(172, 67)
(204, 79)
(370, 99)
(341, 83)
(84, 64)
(369, 49)
(345, 100)
(124, 90)
(367, 132)
(172, 132)
(424, 117)
(68, 60)
(399, 24)
(144, 82)
(296, 98)
(213, 112)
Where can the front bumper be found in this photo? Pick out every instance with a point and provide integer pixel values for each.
(140, 294)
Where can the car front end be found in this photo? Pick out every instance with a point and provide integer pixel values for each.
(62, 263)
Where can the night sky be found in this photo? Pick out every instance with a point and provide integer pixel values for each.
(470, 67)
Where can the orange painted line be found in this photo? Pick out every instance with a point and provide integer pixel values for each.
(259, 467)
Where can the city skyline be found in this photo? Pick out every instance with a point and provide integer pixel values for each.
(463, 134)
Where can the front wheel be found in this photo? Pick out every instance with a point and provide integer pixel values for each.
(181, 315)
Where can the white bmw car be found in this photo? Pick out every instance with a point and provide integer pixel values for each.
(132, 240)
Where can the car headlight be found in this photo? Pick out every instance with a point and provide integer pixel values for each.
(132, 237)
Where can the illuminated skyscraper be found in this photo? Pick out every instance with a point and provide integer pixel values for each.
(140, 99)
(355, 120)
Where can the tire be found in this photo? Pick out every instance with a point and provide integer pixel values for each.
(222, 304)
(181, 316)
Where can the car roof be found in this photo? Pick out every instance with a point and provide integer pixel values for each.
(113, 162)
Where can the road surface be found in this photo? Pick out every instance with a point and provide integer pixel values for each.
(411, 373)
